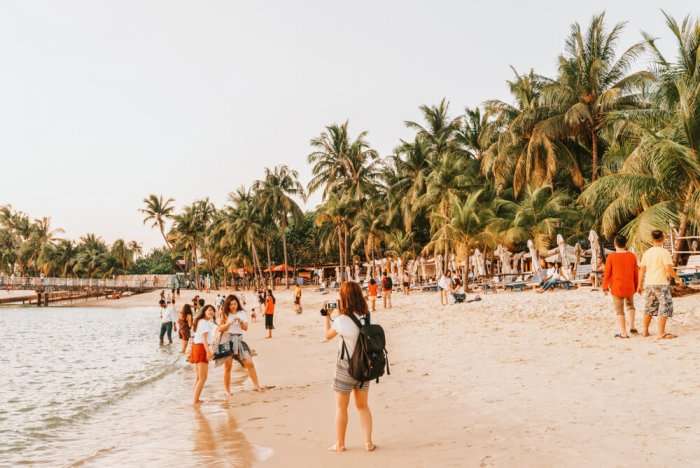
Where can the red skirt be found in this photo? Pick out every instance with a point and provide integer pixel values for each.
(199, 353)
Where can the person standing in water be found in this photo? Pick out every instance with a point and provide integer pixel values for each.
(233, 324)
(269, 313)
(203, 329)
(351, 302)
(166, 322)
(184, 325)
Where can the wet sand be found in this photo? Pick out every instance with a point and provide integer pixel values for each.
(518, 379)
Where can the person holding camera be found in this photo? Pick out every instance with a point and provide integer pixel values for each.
(204, 329)
(351, 302)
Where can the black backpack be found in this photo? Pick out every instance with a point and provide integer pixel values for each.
(370, 357)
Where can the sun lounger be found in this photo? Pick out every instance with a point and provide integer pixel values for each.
(431, 287)
(516, 286)
(690, 272)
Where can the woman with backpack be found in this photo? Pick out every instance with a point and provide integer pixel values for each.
(351, 302)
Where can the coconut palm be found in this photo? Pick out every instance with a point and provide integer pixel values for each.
(276, 192)
(157, 211)
(593, 81)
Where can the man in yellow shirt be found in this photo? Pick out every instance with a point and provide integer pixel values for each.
(655, 273)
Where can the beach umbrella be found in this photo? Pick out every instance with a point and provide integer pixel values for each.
(535, 267)
(438, 265)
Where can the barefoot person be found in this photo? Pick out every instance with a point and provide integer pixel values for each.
(445, 286)
(203, 329)
(232, 326)
(351, 302)
(269, 313)
(655, 273)
(621, 278)
(387, 287)
(166, 322)
(297, 298)
(184, 325)
(372, 290)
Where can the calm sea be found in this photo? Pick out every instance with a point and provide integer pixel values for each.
(91, 386)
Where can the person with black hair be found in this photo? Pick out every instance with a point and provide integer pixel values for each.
(166, 322)
(655, 274)
(270, 302)
(387, 288)
(620, 278)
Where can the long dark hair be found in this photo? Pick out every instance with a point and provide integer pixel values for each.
(269, 293)
(202, 314)
(187, 310)
(351, 299)
(227, 304)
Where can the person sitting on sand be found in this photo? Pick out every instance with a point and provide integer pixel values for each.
(233, 323)
(621, 278)
(203, 329)
(655, 273)
(372, 290)
(445, 286)
(351, 302)
(458, 294)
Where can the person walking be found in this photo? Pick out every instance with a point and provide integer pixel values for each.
(269, 313)
(184, 326)
(297, 299)
(621, 278)
(372, 292)
(387, 287)
(166, 322)
(203, 329)
(351, 302)
(655, 273)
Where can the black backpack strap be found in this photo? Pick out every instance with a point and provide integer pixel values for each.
(344, 350)
(356, 321)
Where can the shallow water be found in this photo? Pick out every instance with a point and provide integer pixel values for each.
(92, 386)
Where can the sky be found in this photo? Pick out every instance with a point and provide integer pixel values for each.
(104, 102)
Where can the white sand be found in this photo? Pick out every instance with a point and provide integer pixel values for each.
(518, 379)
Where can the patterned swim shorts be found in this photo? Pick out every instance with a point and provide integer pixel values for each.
(658, 301)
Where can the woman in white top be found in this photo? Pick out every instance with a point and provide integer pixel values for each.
(233, 323)
(351, 302)
(203, 329)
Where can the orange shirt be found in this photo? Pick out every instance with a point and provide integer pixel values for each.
(372, 289)
(269, 306)
(621, 274)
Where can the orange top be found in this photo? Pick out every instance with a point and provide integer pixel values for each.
(621, 274)
(372, 289)
(269, 306)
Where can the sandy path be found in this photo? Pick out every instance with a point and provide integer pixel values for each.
(518, 379)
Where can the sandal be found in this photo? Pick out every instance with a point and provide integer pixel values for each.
(667, 336)
(617, 335)
(634, 331)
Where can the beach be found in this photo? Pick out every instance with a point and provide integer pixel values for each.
(517, 379)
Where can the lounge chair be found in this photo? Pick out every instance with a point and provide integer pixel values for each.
(690, 272)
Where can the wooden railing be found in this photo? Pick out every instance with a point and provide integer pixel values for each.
(53, 284)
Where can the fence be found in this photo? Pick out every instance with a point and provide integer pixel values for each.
(47, 284)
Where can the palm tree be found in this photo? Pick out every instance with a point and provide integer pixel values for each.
(275, 192)
(244, 222)
(157, 211)
(370, 228)
(592, 83)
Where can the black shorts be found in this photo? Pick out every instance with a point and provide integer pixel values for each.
(268, 322)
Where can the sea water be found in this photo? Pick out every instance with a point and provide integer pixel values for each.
(92, 386)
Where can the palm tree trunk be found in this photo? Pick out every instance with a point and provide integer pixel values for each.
(340, 252)
(256, 264)
(345, 244)
(682, 226)
(165, 238)
(594, 156)
(269, 264)
(196, 269)
(284, 251)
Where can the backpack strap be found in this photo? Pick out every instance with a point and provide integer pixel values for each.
(356, 321)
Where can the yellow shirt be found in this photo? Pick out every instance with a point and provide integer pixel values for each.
(656, 259)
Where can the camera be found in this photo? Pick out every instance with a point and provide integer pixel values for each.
(328, 307)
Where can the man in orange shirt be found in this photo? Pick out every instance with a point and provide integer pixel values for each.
(621, 278)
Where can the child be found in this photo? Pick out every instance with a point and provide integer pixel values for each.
(372, 289)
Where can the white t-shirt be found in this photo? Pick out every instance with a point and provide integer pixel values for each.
(236, 320)
(204, 326)
(165, 315)
(348, 331)
(445, 282)
(172, 308)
